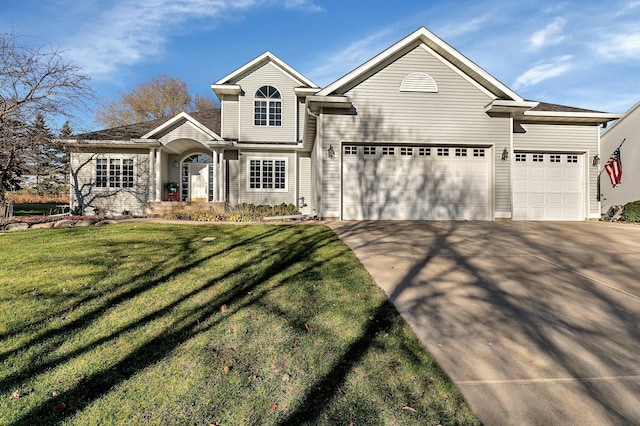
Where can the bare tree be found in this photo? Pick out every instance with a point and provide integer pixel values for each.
(32, 81)
(160, 97)
(201, 103)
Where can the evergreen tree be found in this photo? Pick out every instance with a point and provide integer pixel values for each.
(66, 131)
(47, 160)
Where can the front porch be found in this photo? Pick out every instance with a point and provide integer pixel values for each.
(158, 209)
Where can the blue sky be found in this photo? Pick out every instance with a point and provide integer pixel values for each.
(578, 53)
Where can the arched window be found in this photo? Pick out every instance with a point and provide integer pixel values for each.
(267, 107)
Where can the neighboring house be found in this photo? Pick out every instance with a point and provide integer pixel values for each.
(626, 129)
(417, 132)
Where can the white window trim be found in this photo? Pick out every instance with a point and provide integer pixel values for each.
(261, 159)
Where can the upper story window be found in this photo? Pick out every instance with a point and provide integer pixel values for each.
(267, 107)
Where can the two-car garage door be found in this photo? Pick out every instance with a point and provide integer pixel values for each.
(415, 182)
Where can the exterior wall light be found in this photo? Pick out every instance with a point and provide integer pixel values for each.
(505, 155)
(330, 152)
(175, 163)
(596, 160)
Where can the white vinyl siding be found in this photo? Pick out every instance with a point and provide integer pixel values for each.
(271, 75)
(302, 111)
(304, 182)
(453, 116)
(558, 138)
(627, 129)
(132, 191)
(234, 173)
(230, 106)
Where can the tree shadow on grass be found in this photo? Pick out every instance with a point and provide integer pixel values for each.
(139, 284)
(189, 323)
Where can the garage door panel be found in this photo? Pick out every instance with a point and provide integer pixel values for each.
(572, 199)
(536, 198)
(415, 187)
(555, 171)
(555, 199)
(537, 172)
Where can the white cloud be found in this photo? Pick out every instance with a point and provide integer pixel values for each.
(628, 7)
(334, 64)
(620, 46)
(555, 8)
(549, 35)
(460, 28)
(308, 5)
(543, 71)
(127, 31)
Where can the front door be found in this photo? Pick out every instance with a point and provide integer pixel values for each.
(198, 181)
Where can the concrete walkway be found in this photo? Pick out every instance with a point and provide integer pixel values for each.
(537, 323)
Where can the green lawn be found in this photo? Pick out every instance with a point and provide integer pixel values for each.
(146, 324)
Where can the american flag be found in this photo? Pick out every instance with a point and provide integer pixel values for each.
(614, 168)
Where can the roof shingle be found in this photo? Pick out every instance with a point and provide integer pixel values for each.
(208, 118)
(545, 106)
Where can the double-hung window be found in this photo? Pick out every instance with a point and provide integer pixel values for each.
(267, 175)
(267, 107)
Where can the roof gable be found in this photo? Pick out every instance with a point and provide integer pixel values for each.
(422, 36)
(230, 79)
(180, 120)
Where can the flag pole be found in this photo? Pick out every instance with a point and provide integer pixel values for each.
(602, 170)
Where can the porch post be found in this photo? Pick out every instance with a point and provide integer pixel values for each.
(151, 175)
(158, 177)
(216, 179)
(222, 180)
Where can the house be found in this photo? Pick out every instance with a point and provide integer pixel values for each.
(626, 129)
(417, 132)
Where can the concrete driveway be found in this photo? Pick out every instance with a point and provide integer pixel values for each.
(535, 322)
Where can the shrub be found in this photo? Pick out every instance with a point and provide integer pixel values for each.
(631, 212)
(202, 215)
(242, 212)
(31, 196)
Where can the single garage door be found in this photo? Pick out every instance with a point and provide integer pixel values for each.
(415, 182)
(548, 186)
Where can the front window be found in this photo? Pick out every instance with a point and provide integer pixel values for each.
(267, 175)
(114, 173)
(267, 107)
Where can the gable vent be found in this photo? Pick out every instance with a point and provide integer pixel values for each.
(419, 82)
